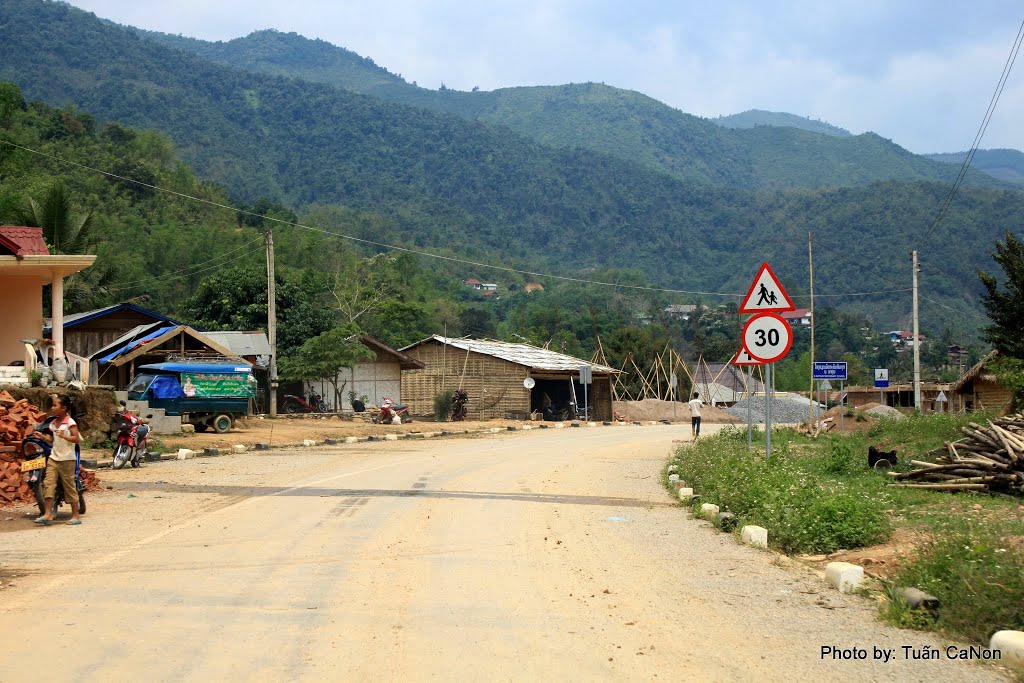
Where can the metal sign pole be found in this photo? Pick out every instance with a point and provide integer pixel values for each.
(842, 408)
(750, 404)
(768, 413)
(586, 408)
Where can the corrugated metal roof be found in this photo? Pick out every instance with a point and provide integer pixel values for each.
(242, 343)
(520, 354)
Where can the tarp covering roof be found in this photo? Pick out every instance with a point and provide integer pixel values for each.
(127, 348)
(526, 355)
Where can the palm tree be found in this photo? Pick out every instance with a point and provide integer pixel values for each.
(66, 232)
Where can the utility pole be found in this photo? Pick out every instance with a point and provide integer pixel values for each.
(810, 394)
(917, 342)
(272, 322)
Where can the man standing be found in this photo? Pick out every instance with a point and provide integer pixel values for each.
(695, 403)
(60, 467)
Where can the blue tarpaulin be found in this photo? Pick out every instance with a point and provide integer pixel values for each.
(127, 348)
(166, 386)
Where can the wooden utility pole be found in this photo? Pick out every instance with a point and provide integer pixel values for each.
(810, 394)
(272, 322)
(917, 342)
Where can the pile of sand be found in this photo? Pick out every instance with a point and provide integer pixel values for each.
(654, 409)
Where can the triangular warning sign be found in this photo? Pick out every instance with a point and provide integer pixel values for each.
(766, 294)
(744, 358)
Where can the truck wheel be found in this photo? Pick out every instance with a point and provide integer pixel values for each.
(222, 424)
(201, 426)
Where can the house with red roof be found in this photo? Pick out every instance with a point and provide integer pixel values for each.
(800, 316)
(26, 265)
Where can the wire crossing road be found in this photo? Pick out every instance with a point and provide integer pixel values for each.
(543, 555)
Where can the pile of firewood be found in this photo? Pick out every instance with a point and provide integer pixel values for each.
(988, 459)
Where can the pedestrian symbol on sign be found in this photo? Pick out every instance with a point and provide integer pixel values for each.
(764, 297)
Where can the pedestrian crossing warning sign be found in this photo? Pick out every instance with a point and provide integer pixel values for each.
(766, 294)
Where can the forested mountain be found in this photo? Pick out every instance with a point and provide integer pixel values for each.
(752, 118)
(601, 118)
(471, 189)
(1004, 164)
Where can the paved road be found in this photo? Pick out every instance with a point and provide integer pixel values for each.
(547, 555)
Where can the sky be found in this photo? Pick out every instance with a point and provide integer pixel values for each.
(919, 72)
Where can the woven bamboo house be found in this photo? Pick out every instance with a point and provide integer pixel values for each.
(493, 373)
(980, 389)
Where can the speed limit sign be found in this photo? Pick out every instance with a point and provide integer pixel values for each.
(767, 337)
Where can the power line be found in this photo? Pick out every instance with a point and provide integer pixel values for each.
(178, 275)
(986, 119)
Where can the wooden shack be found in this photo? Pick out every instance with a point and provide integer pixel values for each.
(494, 375)
(88, 332)
(980, 389)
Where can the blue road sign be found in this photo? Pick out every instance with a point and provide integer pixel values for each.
(830, 370)
(881, 378)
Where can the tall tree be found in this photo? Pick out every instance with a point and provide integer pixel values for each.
(1005, 306)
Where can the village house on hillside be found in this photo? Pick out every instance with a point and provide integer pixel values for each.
(798, 317)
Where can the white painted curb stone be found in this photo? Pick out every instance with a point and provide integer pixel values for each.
(591, 424)
(709, 511)
(685, 493)
(673, 478)
(351, 439)
(755, 536)
(391, 437)
(308, 443)
(527, 428)
(1011, 645)
(672, 468)
(238, 448)
(559, 425)
(844, 576)
(186, 454)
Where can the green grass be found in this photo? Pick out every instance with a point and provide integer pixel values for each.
(818, 495)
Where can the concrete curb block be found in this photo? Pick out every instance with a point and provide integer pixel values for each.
(308, 443)
(709, 511)
(559, 425)
(91, 464)
(527, 428)
(209, 453)
(239, 448)
(845, 577)
(188, 429)
(727, 521)
(331, 442)
(150, 457)
(755, 536)
(391, 437)
(673, 478)
(351, 439)
(684, 493)
(1011, 645)
(262, 447)
(918, 599)
(186, 454)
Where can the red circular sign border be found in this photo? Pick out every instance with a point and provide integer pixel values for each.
(778, 317)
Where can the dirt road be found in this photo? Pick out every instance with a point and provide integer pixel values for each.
(544, 555)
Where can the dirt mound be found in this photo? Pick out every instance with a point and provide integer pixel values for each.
(654, 409)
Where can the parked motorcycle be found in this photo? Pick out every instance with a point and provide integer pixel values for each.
(392, 413)
(35, 452)
(297, 404)
(561, 412)
(459, 405)
(132, 439)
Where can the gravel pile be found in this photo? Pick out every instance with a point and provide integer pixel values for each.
(790, 410)
(886, 412)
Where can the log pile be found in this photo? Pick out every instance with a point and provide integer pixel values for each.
(988, 458)
(17, 420)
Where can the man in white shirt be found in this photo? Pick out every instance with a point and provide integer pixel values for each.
(695, 403)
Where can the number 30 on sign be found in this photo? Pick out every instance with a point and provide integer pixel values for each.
(767, 337)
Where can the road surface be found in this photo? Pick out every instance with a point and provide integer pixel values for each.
(543, 555)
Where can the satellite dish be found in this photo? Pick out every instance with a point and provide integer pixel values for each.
(529, 383)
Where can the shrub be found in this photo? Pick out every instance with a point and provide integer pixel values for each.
(802, 511)
(443, 405)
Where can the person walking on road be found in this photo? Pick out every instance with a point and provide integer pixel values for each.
(60, 467)
(695, 403)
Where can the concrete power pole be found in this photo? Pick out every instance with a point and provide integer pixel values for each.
(917, 343)
(810, 394)
(272, 323)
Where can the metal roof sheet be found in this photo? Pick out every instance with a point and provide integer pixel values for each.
(522, 354)
(242, 343)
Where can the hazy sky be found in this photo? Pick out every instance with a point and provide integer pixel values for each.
(920, 72)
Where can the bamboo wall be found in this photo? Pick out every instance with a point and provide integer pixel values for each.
(495, 386)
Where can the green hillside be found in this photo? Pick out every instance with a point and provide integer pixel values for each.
(1005, 164)
(604, 119)
(469, 189)
(753, 118)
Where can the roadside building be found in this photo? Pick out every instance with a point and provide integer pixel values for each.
(980, 389)
(26, 266)
(494, 375)
(800, 317)
(901, 395)
(371, 381)
(88, 332)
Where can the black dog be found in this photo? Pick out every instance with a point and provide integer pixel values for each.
(881, 459)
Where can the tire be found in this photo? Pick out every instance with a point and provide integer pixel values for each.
(201, 427)
(121, 456)
(292, 408)
(321, 407)
(37, 489)
(81, 503)
(222, 424)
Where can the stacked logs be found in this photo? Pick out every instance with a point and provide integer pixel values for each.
(988, 459)
(17, 420)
